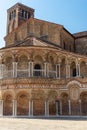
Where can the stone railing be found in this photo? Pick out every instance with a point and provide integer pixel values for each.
(27, 73)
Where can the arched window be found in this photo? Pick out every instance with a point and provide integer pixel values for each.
(70, 48)
(37, 68)
(74, 72)
(64, 45)
(25, 14)
(22, 13)
(14, 13)
(10, 16)
(13, 25)
(29, 15)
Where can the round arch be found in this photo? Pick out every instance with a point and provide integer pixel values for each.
(52, 99)
(83, 97)
(23, 103)
(64, 103)
(7, 103)
(38, 97)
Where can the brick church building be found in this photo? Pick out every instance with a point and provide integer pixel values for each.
(43, 67)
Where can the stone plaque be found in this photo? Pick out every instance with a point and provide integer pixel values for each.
(74, 93)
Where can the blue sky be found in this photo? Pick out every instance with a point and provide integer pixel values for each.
(72, 14)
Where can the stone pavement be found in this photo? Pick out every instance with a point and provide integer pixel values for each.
(42, 124)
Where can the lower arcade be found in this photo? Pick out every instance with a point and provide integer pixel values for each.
(40, 100)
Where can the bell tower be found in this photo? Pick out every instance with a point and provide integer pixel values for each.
(16, 15)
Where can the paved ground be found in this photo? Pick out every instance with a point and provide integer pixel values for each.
(42, 124)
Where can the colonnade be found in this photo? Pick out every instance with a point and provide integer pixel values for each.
(58, 108)
(29, 72)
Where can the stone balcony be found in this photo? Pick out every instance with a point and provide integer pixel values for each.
(26, 73)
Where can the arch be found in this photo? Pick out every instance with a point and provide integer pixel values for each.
(23, 53)
(8, 62)
(83, 97)
(52, 98)
(38, 66)
(8, 104)
(72, 83)
(42, 28)
(65, 105)
(13, 25)
(29, 15)
(73, 69)
(44, 31)
(8, 92)
(5, 55)
(63, 68)
(52, 60)
(83, 69)
(64, 45)
(38, 59)
(38, 97)
(7, 66)
(23, 103)
(37, 69)
(52, 56)
(74, 92)
(52, 95)
(10, 16)
(22, 13)
(22, 66)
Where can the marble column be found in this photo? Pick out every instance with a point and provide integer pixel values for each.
(45, 69)
(77, 70)
(80, 107)
(46, 108)
(1, 107)
(31, 108)
(67, 71)
(14, 107)
(57, 108)
(59, 70)
(60, 107)
(69, 107)
(32, 68)
(29, 69)
(14, 69)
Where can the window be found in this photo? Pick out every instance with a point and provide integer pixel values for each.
(64, 45)
(37, 68)
(29, 15)
(10, 16)
(25, 14)
(74, 72)
(22, 13)
(14, 13)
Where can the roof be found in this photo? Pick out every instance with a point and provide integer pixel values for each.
(19, 4)
(80, 34)
(33, 41)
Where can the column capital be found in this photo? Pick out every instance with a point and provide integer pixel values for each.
(30, 61)
(80, 100)
(45, 62)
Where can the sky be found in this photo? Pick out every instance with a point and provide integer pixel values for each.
(72, 14)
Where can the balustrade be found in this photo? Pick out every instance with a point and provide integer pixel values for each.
(30, 71)
(22, 73)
